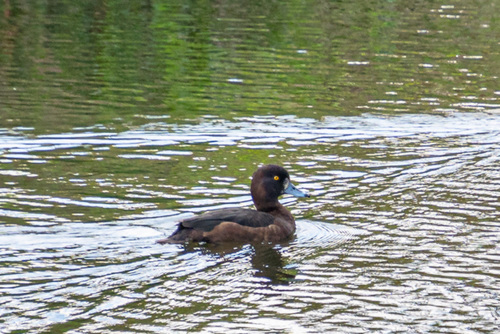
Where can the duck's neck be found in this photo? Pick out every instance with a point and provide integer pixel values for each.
(274, 208)
(266, 206)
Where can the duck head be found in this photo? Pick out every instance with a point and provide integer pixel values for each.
(268, 183)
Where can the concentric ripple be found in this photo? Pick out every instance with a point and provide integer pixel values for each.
(313, 234)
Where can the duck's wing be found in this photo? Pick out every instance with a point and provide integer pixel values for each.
(208, 221)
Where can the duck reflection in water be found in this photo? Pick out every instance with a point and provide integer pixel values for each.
(266, 260)
(271, 222)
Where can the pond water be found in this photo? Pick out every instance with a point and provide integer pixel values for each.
(117, 119)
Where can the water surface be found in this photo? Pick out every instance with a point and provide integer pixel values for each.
(118, 119)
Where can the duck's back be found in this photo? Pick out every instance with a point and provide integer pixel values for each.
(196, 228)
(246, 217)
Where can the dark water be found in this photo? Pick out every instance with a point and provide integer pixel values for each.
(117, 119)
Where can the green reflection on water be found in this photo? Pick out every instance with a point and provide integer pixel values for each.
(69, 64)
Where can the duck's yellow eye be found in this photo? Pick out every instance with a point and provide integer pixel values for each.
(276, 177)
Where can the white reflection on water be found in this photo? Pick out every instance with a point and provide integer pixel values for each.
(402, 233)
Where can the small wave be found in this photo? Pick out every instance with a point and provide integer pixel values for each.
(320, 234)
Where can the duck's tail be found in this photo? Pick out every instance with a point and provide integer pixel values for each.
(182, 235)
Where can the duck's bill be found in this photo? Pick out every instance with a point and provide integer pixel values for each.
(291, 190)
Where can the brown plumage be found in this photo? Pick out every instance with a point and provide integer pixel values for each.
(270, 222)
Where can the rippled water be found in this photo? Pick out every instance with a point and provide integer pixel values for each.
(117, 119)
(401, 233)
